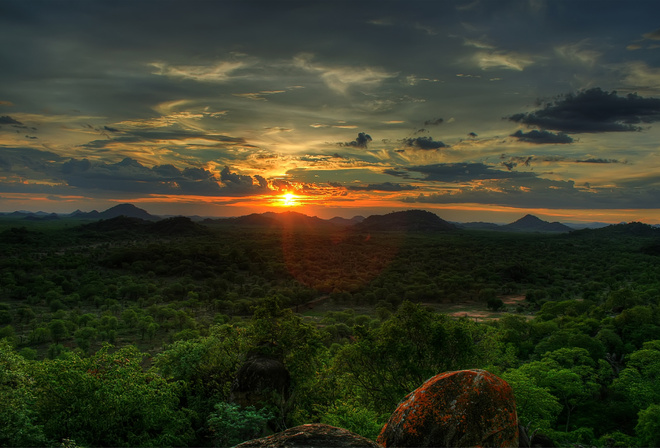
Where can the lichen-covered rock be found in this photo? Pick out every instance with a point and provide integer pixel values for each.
(466, 408)
(309, 436)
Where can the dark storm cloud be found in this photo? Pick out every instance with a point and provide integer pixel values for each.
(459, 172)
(545, 193)
(593, 110)
(423, 143)
(6, 119)
(385, 186)
(362, 141)
(542, 137)
(129, 175)
(594, 160)
(515, 161)
(434, 122)
(20, 159)
(242, 184)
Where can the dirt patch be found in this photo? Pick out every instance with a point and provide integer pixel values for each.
(478, 311)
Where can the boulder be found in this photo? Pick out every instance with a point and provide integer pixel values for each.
(455, 409)
(308, 436)
(257, 379)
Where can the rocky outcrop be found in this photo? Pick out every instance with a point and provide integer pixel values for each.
(314, 435)
(455, 409)
(258, 378)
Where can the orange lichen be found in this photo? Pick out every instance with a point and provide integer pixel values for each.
(469, 407)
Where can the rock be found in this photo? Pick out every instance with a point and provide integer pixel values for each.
(258, 378)
(455, 409)
(308, 436)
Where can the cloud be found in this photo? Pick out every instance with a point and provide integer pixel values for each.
(536, 192)
(458, 172)
(641, 76)
(342, 78)
(218, 73)
(426, 143)
(579, 53)
(653, 35)
(361, 141)
(385, 186)
(434, 122)
(487, 60)
(243, 184)
(598, 160)
(127, 177)
(6, 119)
(542, 137)
(531, 192)
(593, 110)
(259, 96)
(145, 135)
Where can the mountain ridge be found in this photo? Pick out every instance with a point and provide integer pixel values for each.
(293, 219)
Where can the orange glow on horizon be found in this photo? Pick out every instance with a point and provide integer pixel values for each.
(289, 200)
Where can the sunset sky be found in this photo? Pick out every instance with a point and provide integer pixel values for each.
(475, 110)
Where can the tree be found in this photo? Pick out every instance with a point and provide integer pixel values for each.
(569, 374)
(384, 364)
(58, 330)
(108, 400)
(18, 426)
(84, 337)
(537, 407)
(639, 379)
(231, 424)
(648, 426)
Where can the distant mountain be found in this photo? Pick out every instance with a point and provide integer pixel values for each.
(24, 214)
(178, 225)
(78, 214)
(623, 229)
(408, 220)
(339, 221)
(128, 210)
(299, 220)
(292, 220)
(588, 225)
(117, 224)
(175, 226)
(252, 220)
(530, 223)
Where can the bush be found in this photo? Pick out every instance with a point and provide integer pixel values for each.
(232, 425)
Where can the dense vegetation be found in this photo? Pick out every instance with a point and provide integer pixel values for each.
(118, 333)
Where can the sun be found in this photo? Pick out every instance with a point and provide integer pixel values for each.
(289, 200)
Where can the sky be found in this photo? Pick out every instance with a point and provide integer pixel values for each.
(476, 110)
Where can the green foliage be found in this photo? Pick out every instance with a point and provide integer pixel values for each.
(18, 422)
(108, 400)
(569, 374)
(231, 425)
(386, 363)
(495, 304)
(639, 380)
(648, 426)
(355, 418)
(537, 407)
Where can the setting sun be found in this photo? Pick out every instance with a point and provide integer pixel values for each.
(289, 200)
